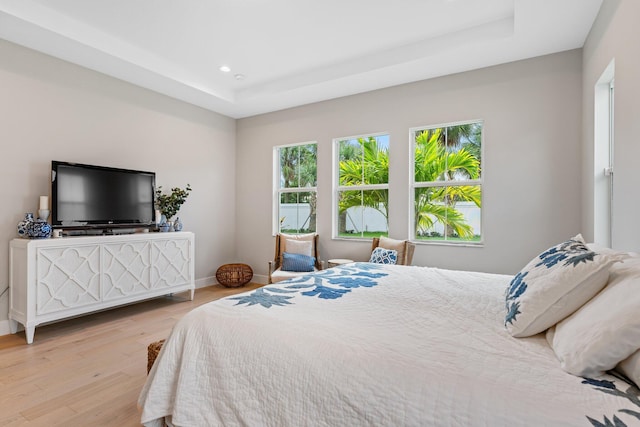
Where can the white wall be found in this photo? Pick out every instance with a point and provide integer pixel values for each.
(53, 110)
(615, 35)
(532, 163)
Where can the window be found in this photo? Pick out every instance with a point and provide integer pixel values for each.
(295, 182)
(362, 186)
(447, 183)
(603, 157)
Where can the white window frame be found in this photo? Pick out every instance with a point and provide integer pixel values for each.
(337, 187)
(603, 157)
(413, 185)
(277, 191)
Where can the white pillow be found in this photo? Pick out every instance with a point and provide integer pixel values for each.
(603, 249)
(555, 284)
(302, 247)
(606, 330)
(286, 240)
(630, 367)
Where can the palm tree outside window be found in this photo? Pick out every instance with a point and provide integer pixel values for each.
(296, 181)
(447, 183)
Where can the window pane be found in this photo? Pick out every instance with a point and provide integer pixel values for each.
(298, 166)
(350, 162)
(297, 212)
(308, 165)
(448, 153)
(464, 147)
(448, 213)
(364, 160)
(363, 213)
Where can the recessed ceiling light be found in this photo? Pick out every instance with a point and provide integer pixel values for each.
(225, 69)
(239, 76)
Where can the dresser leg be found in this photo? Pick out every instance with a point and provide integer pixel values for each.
(29, 333)
(192, 293)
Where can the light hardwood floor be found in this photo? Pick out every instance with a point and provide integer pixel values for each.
(89, 371)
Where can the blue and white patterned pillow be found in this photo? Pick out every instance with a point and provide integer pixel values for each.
(384, 256)
(554, 285)
(297, 262)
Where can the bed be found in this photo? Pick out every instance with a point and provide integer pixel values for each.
(371, 345)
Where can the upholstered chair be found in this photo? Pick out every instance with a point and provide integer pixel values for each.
(295, 255)
(404, 248)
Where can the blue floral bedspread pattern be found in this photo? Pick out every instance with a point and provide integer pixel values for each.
(327, 284)
(631, 393)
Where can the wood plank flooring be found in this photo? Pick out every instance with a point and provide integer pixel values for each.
(89, 371)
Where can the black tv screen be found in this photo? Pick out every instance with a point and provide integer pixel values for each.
(98, 196)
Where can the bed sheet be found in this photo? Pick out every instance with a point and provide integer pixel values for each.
(370, 345)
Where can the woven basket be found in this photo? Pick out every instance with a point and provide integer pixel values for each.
(152, 352)
(234, 275)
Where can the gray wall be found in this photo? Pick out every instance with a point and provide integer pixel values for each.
(615, 35)
(53, 110)
(532, 164)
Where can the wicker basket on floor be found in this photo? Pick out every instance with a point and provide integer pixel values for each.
(234, 275)
(152, 352)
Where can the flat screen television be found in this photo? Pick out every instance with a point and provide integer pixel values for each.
(88, 196)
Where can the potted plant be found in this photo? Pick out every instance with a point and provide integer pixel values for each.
(169, 204)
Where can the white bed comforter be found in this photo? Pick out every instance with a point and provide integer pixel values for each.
(370, 345)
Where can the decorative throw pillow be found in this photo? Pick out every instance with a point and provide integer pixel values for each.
(555, 284)
(606, 330)
(297, 262)
(302, 247)
(397, 245)
(288, 244)
(384, 256)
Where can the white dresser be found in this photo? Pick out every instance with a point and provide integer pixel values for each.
(54, 279)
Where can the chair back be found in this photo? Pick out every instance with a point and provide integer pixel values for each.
(281, 247)
(407, 255)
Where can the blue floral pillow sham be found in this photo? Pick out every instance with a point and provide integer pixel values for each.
(554, 285)
(384, 256)
(297, 262)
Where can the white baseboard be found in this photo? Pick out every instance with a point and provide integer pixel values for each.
(206, 281)
(4, 327)
(261, 279)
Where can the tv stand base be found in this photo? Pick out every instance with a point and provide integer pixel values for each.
(55, 279)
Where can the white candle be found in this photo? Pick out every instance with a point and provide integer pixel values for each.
(44, 202)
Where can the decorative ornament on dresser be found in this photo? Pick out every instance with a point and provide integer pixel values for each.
(177, 224)
(23, 226)
(43, 211)
(31, 228)
(39, 229)
(169, 205)
(163, 225)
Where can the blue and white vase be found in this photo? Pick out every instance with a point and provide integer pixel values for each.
(39, 229)
(177, 224)
(23, 226)
(163, 225)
